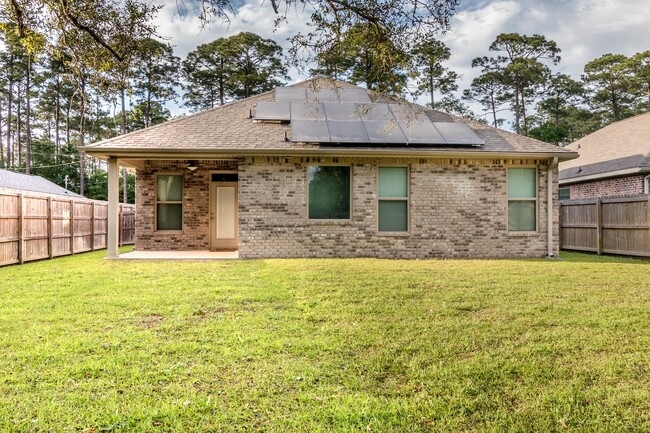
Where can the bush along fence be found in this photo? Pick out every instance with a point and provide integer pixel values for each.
(613, 225)
(34, 227)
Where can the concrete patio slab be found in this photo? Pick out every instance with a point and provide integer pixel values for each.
(180, 255)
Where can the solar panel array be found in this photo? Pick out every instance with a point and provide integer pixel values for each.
(329, 115)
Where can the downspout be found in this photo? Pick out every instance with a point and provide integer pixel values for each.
(549, 206)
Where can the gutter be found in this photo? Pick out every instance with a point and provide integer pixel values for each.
(121, 153)
(550, 207)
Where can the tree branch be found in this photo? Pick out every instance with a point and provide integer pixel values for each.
(89, 31)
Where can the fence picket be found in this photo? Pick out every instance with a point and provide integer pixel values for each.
(35, 226)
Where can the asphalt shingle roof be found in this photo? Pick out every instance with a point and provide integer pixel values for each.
(619, 146)
(27, 182)
(230, 127)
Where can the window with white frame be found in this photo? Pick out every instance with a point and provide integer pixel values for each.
(522, 199)
(329, 192)
(169, 202)
(646, 185)
(393, 206)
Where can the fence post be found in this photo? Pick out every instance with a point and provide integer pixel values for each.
(71, 227)
(599, 226)
(120, 220)
(92, 226)
(50, 251)
(20, 229)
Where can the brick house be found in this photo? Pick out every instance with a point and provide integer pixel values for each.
(326, 169)
(614, 161)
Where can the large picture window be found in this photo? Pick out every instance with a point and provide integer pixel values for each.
(169, 202)
(522, 199)
(329, 192)
(393, 199)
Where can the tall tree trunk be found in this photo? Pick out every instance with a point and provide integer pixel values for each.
(494, 109)
(221, 83)
(28, 126)
(147, 116)
(82, 115)
(57, 121)
(125, 190)
(523, 112)
(19, 124)
(433, 102)
(10, 100)
(517, 111)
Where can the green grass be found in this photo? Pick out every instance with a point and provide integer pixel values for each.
(89, 345)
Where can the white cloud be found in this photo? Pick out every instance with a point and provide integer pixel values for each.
(583, 29)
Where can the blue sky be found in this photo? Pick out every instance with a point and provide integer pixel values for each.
(583, 29)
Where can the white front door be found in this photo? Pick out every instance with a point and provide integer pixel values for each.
(223, 216)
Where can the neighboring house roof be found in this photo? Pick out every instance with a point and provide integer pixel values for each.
(28, 182)
(230, 130)
(619, 149)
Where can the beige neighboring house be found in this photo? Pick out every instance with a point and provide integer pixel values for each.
(614, 161)
(326, 169)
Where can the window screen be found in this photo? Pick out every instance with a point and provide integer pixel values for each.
(169, 202)
(329, 192)
(522, 199)
(564, 193)
(393, 199)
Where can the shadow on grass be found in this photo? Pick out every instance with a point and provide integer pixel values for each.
(584, 257)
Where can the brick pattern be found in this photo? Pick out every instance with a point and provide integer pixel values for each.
(458, 208)
(619, 186)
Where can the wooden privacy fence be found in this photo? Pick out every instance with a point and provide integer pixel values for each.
(34, 227)
(614, 225)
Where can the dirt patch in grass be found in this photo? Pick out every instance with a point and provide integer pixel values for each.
(151, 321)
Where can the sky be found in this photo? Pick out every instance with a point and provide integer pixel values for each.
(583, 29)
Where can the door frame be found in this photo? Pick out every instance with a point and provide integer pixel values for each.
(212, 217)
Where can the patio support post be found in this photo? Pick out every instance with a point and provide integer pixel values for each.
(113, 209)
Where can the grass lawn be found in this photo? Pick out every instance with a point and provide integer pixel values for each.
(88, 345)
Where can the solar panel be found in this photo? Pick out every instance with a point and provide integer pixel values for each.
(424, 132)
(384, 132)
(406, 112)
(458, 133)
(354, 95)
(342, 131)
(376, 112)
(322, 94)
(340, 111)
(310, 131)
(291, 94)
(273, 111)
(307, 111)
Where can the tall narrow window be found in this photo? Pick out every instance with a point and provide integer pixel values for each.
(329, 192)
(393, 199)
(169, 202)
(646, 185)
(522, 199)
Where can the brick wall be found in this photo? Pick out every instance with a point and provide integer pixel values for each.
(630, 185)
(458, 208)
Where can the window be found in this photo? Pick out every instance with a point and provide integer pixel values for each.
(564, 194)
(393, 199)
(169, 202)
(646, 186)
(329, 192)
(522, 199)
